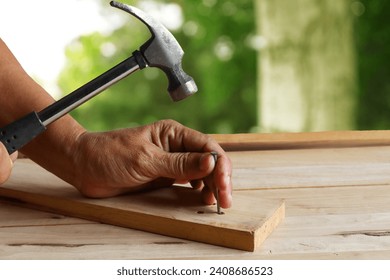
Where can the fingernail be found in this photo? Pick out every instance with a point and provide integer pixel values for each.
(206, 160)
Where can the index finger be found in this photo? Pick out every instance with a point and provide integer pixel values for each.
(219, 183)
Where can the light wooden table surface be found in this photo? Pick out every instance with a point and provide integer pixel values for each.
(337, 207)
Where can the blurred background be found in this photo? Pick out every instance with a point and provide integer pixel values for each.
(260, 65)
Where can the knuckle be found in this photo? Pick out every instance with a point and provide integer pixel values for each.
(168, 124)
(180, 164)
(176, 165)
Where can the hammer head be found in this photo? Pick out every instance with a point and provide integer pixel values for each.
(164, 52)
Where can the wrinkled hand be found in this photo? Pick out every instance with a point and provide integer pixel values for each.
(6, 163)
(156, 155)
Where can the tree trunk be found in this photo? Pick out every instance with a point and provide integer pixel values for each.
(307, 78)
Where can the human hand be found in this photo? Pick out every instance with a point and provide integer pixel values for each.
(156, 155)
(6, 163)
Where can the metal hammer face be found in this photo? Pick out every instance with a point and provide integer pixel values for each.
(163, 51)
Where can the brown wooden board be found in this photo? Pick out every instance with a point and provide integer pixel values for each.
(175, 211)
(302, 140)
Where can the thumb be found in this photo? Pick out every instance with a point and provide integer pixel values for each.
(186, 166)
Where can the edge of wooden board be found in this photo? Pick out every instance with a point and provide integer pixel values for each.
(268, 227)
(302, 140)
(247, 239)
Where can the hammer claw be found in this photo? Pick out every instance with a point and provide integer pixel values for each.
(163, 51)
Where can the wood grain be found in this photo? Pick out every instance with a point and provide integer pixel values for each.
(175, 211)
(317, 167)
(302, 140)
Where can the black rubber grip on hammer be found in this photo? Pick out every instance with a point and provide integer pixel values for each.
(17, 134)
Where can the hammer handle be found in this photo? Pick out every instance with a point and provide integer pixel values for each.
(89, 90)
(17, 134)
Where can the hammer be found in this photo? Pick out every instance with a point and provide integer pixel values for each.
(161, 51)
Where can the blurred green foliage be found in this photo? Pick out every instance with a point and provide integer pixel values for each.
(215, 36)
(373, 48)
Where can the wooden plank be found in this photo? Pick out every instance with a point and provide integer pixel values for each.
(332, 200)
(12, 216)
(302, 140)
(99, 241)
(175, 211)
(333, 223)
(298, 168)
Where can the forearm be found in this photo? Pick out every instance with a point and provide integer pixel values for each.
(19, 95)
